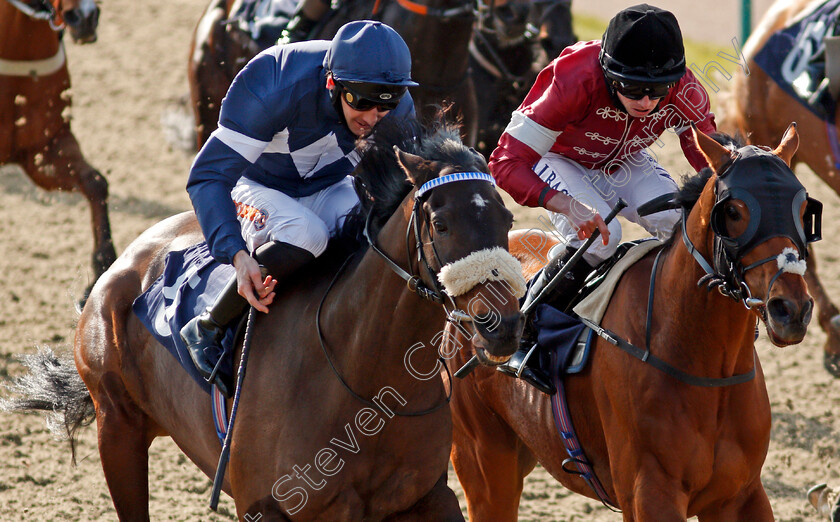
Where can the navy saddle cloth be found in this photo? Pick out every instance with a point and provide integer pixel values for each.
(190, 282)
(794, 58)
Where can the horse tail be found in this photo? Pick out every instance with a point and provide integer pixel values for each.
(53, 385)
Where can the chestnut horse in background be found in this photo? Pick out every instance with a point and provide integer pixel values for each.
(343, 371)
(759, 111)
(436, 31)
(35, 103)
(663, 449)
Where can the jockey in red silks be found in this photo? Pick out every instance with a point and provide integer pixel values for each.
(579, 141)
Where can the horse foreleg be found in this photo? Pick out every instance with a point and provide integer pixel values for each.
(489, 459)
(754, 506)
(124, 437)
(439, 504)
(827, 315)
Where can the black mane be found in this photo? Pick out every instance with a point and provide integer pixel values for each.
(380, 182)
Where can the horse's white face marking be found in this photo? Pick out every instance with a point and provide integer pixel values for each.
(479, 201)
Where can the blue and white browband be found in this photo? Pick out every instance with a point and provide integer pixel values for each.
(449, 178)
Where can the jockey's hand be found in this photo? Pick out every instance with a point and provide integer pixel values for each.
(258, 291)
(583, 218)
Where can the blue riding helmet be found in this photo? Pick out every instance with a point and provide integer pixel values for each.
(369, 52)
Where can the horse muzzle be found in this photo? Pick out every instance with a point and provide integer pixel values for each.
(496, 338)
(787, 320)
(81, 24)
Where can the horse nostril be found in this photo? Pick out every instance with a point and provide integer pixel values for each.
(807, 310)
(781, 310)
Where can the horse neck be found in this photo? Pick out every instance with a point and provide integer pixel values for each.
(390, 320)
(25, 38)
(706, 322)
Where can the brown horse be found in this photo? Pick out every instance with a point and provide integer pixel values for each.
(342, 373)
(760, 110)
(34, 105)
(437, 33)
(663, 449)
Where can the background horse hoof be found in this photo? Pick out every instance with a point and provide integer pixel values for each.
(831, 362)
(824, 499)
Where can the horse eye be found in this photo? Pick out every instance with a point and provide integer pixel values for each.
(440, 227)
(732, 213)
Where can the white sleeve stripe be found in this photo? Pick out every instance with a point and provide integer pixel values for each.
(247, 147)
(531, 133)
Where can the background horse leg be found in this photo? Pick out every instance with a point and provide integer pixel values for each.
(828, 316)
(61, 166)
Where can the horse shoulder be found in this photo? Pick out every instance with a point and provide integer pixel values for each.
(531, 248)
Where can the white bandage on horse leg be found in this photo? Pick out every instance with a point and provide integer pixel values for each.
(490, 264)
(789, 261)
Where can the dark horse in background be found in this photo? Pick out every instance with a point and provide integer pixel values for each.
(35, 103)
(513, 40)
(664, 446)
(437, 41)
(343, 373)
(760, 110)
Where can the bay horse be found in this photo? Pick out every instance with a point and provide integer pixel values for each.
(343, 371)
(436, 31)
(759, 109)
(513, 40)
(35, 102)
(662, 447)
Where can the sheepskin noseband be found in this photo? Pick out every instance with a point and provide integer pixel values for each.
(490, 264)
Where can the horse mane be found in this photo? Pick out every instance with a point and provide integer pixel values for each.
(381, 183)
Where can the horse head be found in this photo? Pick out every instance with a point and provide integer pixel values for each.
(461, 227)
(426, 192)
(759, 221)
(81, 17)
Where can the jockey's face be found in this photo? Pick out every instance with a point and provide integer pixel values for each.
(361, 123)
(638, 108)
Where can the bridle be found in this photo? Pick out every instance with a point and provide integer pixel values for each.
(49, 10)
(727, 272)
(415, 282)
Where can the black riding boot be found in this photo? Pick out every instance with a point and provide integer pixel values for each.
(297, 30)
(520, 364)
(204, 333)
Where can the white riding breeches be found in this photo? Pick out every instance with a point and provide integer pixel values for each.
(308, 222)
(639, 180)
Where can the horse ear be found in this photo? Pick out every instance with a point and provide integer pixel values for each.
(790, 142)
(716, 154)
(417, 169)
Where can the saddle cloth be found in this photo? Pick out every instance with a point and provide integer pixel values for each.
(264, 20)
(795, 57)
(594, 305)
(190, 282)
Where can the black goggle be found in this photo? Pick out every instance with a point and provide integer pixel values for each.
(366, 96)
(637, 91)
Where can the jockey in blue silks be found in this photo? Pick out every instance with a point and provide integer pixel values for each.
(273, 181)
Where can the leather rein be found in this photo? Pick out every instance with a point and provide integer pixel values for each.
(413, 281)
